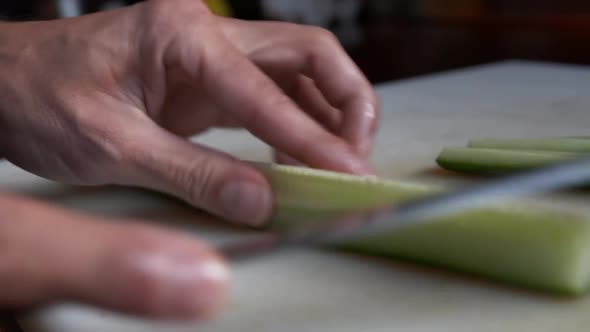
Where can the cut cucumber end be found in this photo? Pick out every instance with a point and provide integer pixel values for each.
(514, 245)
(525, 244)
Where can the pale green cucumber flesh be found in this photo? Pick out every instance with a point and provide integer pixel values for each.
(565, 144)
(497, 161)
(525, 243)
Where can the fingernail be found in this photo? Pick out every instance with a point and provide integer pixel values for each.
(200, 290)
(366, 123)
(358, 128)
(366, 120)
(246, 201)
(360, 122)
(364, 133)
(185, 288)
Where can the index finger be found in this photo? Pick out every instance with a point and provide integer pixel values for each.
(260, 106)
(343, 85)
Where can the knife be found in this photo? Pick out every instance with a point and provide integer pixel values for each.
(391, 218)
(384, 219)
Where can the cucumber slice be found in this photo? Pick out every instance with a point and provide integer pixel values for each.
(496, 161)
(525, 244)
(565, 144)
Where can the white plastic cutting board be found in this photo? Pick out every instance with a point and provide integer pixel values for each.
(322, 291)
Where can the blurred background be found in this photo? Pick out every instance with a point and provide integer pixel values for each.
(394, 39)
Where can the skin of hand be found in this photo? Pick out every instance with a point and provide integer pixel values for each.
(111, 98)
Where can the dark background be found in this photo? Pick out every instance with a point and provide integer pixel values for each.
(400, 39)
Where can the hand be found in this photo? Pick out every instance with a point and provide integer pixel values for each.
(48, 254)
(109, 99)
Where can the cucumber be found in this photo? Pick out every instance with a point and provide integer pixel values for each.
(525, 244)
(564, 144)
(496, 161)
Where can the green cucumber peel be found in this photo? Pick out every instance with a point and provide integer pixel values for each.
(563, 144)
(497, 161)
(524, 243)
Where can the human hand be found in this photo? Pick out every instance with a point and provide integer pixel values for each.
(109, 99)
(49, 254)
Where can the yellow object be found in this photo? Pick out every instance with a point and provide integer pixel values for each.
(219, 7)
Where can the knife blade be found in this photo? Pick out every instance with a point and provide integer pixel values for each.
(394, 217)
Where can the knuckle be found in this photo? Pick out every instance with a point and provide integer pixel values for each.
(167, 24)
(197, 182)
(322, 37)
(176, 13)
(201, 185)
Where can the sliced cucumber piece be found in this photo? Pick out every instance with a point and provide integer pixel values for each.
(496, 161)
(523, 243)
(565, 144)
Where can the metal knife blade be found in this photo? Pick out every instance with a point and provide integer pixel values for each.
(390, 218)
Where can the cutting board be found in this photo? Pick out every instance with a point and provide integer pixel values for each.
(309, 290)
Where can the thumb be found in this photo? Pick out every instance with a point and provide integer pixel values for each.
(205, 178)
(50, 254)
